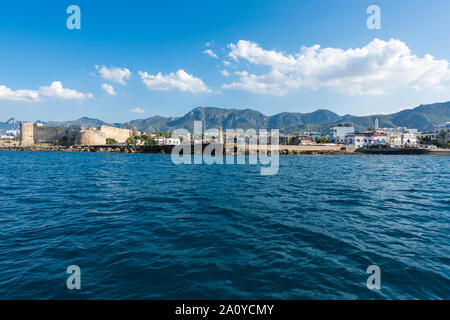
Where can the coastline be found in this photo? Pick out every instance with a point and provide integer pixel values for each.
(248, 150)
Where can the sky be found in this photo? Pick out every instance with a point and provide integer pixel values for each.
(135, 59)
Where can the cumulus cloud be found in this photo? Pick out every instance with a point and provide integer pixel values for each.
(210, 53)
(137, 110)
(56, 90)
(225, 73)
(376, 68)
(22, 95)
(109, 89)
(114, 74)
(179, 80)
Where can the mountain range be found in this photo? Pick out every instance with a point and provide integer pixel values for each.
(423, 117)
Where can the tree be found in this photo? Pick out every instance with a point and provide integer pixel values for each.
(322, 140)
(110, 141)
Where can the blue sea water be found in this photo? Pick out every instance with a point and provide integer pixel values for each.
(140, 227)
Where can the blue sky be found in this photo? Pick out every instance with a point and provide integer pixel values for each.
(49, 72)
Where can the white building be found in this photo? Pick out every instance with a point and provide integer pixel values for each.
(428, 135)
(13, 133)
(167, 141)
(339, 132)
(361, 140)
(443, 129)
(409, 139)
(310, 134)
(398, 130)
(173, 141)
(356, 140)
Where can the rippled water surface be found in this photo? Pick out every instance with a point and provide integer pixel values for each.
(141, 227)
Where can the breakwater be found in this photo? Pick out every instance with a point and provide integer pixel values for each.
(225, 149)
(327, 149)
(404, 151)
(105, 148)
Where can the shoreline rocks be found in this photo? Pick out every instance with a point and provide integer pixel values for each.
(283, 150)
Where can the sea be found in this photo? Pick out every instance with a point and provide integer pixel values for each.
(138, 226)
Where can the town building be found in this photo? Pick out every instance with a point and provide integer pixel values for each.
(340, 131)
(442, 132)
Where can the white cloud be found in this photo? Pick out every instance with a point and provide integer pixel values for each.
(209, 44)
(179, 80)
(137, 110)
(226, 63)
(18, 95)
(378, 67)
(114, 74)
(56, 90)
(211, 53)
(109, 89)
(225, 73)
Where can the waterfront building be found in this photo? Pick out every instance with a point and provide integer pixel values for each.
(409, 139)
(442, 132)
(161, 141)
(340, 131)
(310, 134)
(13, 133)
(173, 141)
(399, 130)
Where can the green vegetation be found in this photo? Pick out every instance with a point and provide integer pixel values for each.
(436, 142)
(162, 134)
(441, 144)
(322, 140)
(131, 140)
(294, 140)
(110, 141)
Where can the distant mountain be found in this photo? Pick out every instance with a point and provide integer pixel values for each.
(156, 123)
(424, 117)
(86, 122)
(225, 118)
(10, 124)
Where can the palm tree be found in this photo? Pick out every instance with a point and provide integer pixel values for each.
(443, 135)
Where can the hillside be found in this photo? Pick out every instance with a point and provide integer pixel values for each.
(423, 117)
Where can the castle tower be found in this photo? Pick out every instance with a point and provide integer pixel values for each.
(26, 134)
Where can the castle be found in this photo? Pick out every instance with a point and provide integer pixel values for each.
(36, 133)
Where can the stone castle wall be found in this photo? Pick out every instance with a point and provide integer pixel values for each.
(120, 135)
(91, 138)
(32, 134)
